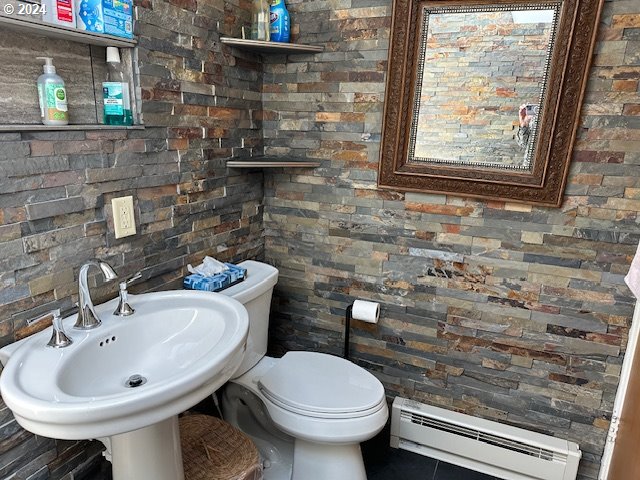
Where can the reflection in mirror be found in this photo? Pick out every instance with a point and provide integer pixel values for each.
(481, 78)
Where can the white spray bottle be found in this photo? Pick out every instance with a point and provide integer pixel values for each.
(52, 95)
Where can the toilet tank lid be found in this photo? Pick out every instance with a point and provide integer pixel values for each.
(260, 278)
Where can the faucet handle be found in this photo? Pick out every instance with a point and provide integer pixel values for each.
(124, 309)
(129, 281)
(32, 321)
(59, 338)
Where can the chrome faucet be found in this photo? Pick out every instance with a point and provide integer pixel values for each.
(59, 338)
(87, 316)
(124, 309)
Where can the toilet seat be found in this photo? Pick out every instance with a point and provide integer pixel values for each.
(322, 386)
(321, 428)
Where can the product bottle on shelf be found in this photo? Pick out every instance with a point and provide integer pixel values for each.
(52, 95)
(279, 19)
(260, 27)
(115, 92)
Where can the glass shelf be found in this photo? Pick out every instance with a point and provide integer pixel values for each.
(52, 128)
(273, 162)
(270, 47)
(35, 27)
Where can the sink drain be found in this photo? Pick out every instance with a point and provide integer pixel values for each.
(135, 381)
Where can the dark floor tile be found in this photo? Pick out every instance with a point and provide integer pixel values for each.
(447, 471)
(401, 465)
(385, 463)
(98, 470)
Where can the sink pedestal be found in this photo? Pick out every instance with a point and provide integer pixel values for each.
(152, 452)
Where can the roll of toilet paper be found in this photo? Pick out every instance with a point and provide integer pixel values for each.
(366, 311)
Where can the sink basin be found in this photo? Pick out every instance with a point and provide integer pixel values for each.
(185, 345)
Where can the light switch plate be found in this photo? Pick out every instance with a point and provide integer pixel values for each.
(124, 221)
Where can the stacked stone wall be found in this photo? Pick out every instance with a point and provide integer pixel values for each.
(201, 104)
(505, 311)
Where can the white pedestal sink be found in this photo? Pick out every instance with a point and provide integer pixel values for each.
(185, 345)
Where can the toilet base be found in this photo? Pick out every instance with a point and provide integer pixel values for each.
(321, 461)
(315, 448)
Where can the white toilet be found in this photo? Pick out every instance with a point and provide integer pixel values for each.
(307, 412)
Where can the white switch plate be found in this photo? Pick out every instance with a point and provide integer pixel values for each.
(124, 221)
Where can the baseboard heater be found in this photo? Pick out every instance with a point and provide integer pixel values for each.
(489, 447)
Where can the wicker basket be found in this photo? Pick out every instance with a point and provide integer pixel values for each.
(214, 450)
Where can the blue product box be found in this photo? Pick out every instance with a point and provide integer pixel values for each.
(235, 272)
(209, 284)
(118, 17)
(89, 16)
(217, 282)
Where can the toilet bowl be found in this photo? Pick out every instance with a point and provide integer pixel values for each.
(307, 412)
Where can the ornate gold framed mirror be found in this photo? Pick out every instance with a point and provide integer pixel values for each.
(483, 97)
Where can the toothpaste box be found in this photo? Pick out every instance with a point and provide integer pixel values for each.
(89, 16)
(59, 12)
(118, 17)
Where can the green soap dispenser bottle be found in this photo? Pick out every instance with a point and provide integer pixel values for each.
(52, 95)
(115, 92)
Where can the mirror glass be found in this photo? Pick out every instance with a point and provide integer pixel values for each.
(480, 84)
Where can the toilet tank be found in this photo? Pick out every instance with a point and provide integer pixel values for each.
(255, 294)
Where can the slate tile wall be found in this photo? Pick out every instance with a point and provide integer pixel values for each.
(500, 310)
(200, 105)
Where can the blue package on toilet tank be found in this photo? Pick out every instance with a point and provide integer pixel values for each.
(118, 17)
(210, 284)
(217, 282)
(236, 273)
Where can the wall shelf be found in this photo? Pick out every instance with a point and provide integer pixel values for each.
(35, 27)
(80, 60)
(273, 162)
(270, 47)
(53, 128)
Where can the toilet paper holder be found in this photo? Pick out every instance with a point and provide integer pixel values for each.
(347, 327)
(365, 311)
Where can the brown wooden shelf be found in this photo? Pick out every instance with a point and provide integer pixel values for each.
(273, 162)
(36, 27)
(53, 128)
(270, 47)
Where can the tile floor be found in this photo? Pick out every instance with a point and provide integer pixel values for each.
(385, 463)
(404, 465)
(394, 465)
(381, 462)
